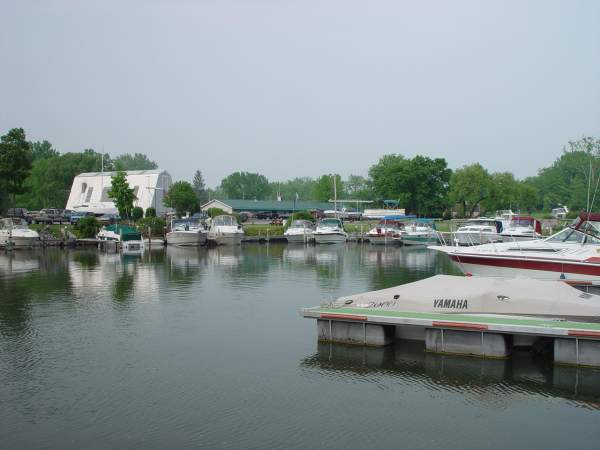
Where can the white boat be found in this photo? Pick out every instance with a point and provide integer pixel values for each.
(479, 231)
(330, 231)
(522, 228)
(187, 232)
(225, 230)
(127, 237)
(505, 217)
(572, 254)
(299, 231)
(386, 232)
(15, 232)
(421, 232)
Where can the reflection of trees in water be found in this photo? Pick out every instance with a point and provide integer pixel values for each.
(329, 267)
(87, 259)
(487, 382)
(46, 275)
(124, 285)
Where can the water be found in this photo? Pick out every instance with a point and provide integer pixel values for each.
(206, 349)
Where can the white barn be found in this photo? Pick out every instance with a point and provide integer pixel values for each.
(90, 191)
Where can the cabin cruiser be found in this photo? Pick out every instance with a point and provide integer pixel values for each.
(484, 297)
(15, 232)
(128, 237)
(479, 231)
(225, 230)
(572, 254)
(522, 228)
(386, 232)
(420, 232)
(505, 217)
(330, 231)
(187, 232)
(299, 231)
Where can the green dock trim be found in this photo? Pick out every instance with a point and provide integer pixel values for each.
(543, 323)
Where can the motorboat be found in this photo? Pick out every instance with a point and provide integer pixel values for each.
(488, 298)
(128, 237)
(330, 231)
(187, 232)
(522, 228)
(479, 231)
(505, 217)
(572, 254)
(225, 230)
(386, 232)
(420, 232)
(15, 232)
(299, 231)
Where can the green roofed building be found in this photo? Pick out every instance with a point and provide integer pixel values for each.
(284, 206)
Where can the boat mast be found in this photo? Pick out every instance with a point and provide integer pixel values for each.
(335, 196)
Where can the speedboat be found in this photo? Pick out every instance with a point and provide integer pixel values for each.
(572, 254)
(479, 231)
(225, 230)
(299, 231)
(386, 232)
(15, 232)
(330, 231)
(187, 232)
(522, 228)
(420, 232)
(128, 237)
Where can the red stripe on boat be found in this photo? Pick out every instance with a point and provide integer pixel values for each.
(343, 316)
(577, 333)
(593, 259)
(470, 326)
(528, 264)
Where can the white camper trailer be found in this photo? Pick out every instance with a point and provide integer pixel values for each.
(90, 191)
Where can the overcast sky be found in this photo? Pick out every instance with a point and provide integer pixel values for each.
(302, 88)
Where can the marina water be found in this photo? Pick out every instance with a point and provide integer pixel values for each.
(197, 348)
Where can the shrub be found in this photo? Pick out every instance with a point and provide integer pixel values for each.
(150, 212)
(87, 227)
(156, 225)
(137, 213)
(214, 212)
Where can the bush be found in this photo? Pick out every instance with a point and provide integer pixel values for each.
(87, 227)
(214, 212)
(150, 212)
(137, 213)
(299, 215)
(156, 225)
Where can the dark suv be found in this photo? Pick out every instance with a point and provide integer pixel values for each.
(21, 213)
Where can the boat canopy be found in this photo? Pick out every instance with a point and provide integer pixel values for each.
(13, 223)
(127, 233)
(527, 221)
(227, 221)
(399, 217)
(301, 224)
(331, 223)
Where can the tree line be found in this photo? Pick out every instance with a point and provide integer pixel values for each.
(35, 175)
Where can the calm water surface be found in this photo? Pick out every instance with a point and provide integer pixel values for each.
(189, 348)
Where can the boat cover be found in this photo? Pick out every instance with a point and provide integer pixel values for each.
(479, 295)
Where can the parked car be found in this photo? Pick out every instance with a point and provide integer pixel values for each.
(48, 216)
(76, 215)
(107, 219)
(20, 213)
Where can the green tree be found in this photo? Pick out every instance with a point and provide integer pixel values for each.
(122, 194)
(137, 161)
(182, 198)
(303, 186)
(323, 189)
(150, 212)
(15, 164)
(137, 213)
(87, 227)
(245, 185)
(359, 187)
(200, 187)
(469, 186)
(42, 150)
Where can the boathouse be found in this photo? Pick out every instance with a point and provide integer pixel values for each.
(89, 191)
(282, 207)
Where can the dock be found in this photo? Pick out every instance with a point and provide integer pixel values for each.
(574, 343)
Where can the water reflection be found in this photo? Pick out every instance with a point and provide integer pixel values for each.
(488, 382)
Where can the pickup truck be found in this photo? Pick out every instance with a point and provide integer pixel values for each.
(48, 216)
(21, 213)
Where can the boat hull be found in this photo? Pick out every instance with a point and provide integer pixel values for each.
(329, 238)
(382, 240)
(487, 266)
(19, 241)
(418, 240)
(298, 238)
(226, 238)
(186, 238)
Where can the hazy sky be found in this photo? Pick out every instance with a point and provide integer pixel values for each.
(301, 88)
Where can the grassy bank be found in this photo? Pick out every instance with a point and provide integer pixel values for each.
(263, 230)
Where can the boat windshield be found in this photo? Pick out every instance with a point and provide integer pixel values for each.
(14, 222)
(589, 234)
(521, 223)
(331, 223)
(186, 223)
(227, 221)
(301, 224)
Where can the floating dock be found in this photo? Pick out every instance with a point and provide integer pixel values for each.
(572, 342)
